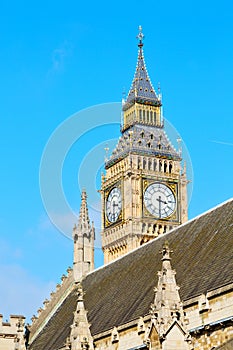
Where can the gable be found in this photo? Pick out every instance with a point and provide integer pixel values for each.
(154, 339)
(175, 339)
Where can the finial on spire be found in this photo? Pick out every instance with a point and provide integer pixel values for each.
(166, 251)
(140, 36)
(84, 195)
(179, 145)
(106, 148)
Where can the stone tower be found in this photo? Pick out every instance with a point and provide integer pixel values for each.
(144, 190)
(84, 236)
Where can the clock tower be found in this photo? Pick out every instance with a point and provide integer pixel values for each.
(144, 190)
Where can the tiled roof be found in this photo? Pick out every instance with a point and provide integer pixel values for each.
(227, 346)
(123, 290)
(57, 330)
(143, 140)
(141, 89)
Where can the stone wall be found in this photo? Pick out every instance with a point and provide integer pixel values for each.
(210, 324)
(11, 331)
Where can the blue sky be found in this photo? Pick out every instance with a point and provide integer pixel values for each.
(58, 58)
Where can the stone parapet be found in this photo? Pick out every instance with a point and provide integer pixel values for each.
(50, 306)
(11, 331)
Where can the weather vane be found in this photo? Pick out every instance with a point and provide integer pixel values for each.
(140, 36)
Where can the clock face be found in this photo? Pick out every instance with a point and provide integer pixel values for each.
(159, 200)
(113, 204)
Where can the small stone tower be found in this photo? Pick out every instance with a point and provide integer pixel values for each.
(84, 236)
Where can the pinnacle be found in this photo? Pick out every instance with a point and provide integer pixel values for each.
(166, 252)
(83, 221)
(167, 301)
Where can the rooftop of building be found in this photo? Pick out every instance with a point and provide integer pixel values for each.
(123, 290)
(143, 140)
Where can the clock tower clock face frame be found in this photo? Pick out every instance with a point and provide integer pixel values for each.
(160, 200)
(113, 206)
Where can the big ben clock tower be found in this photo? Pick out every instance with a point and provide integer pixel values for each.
(144, 190)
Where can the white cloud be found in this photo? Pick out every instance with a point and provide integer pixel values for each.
(9, 252)
(21, 293)
(52, 224)
(222, 142)
(58, 57)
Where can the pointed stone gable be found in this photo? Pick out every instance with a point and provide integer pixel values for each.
(167, 305)
(80, 336)
(167, 315)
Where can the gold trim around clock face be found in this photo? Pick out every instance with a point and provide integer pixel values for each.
(113, 205)
(160, 199)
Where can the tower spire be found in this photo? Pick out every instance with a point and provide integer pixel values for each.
(142, 90)
(83, 222)
(83, 235)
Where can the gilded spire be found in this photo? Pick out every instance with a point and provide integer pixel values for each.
(141, 90)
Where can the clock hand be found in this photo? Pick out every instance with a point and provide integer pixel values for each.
(161, 201)
(114, 207)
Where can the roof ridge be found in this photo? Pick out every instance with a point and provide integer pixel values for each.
(163, 235)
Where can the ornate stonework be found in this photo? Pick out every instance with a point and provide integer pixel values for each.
(80, 335)
(168, 326)
(12, 333)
